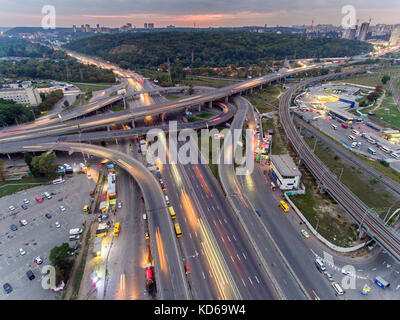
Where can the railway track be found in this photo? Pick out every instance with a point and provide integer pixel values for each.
(369, 221)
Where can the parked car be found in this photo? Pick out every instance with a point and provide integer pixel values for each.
(23, 223)
(7, 288)
(62, 208)
(89, 176)
(24, 206)
(13, 227)
(58, 225)
(30, 275)
(39, 199)
(26, 201)
(11, 208)
(119, 205)
(22, 251)
(38, 260)
(48, 215)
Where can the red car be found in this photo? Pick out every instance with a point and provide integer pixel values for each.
(187, 269)
(345, 125)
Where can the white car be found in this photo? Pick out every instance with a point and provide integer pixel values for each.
(26, 201)
(23, 222)
(58, 225)
(89, 176)
(22, 251)
(119, 205)
(304, 233)
(38, 260)
(62, 208)
(11, 208)
(346, 272)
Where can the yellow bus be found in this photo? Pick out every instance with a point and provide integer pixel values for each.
(116, 229)
(172, 212)
(284, 206)
(178, 230)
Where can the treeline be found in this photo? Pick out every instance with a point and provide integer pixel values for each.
(211, 48)
(49, 100)
(64, 69)
(12, 113)
(12, 47)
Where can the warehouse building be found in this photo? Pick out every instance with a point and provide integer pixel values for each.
(21, 96)
(284, 172)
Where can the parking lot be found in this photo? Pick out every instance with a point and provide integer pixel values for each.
(341, 134)
(40, 234)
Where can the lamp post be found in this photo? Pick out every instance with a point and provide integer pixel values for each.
(384, 219)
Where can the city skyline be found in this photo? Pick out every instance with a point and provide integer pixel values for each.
(202, 13)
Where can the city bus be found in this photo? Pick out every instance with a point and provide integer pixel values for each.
(284, 206)
(172, 212)
(116, 229)
(178, 230)
(372, 151)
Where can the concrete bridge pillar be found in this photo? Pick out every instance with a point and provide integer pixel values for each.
(210, 104)
(8, 155)
(200, 107)
(133, 124)
(226, 99)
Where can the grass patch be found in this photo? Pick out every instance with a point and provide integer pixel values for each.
(117, 107)
(388, 112)
(81, 268)
(278, 143)
(172, 97)
(352, 178)
(206, 82)
(87, 87)
(270, 94)
(260, 105)
(11, 187)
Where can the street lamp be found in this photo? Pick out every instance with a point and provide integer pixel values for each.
(384, 219)
(27, 106)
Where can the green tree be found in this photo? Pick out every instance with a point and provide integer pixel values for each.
(2, 170)
(191, 90)
(44, 165)
(385, 79)
(60, 260)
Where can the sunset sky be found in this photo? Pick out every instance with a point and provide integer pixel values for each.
(204, 13)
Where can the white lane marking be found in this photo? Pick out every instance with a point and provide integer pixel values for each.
(208, 209)
(196, 234)
(215, 223)
(243, 283)
(232, 259)
(224, 219)
(238, 256)
(250, 281)
(190, 235)
(256, 279)
(210, 274)
(203, 275)
(219, 221)
(228, 238)
(244, 256)
(223, 240)
(234, 237)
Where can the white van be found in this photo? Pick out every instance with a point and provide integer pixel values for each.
(338, 289)
(334, 126)
(47, 195)
(75, 231)
(167, 200)
(74, 237)
(395, 155)
(355, 132)
(57, 181)
(352, 137)
(320, 265)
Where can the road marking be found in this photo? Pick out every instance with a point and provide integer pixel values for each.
(203, 275)
(243, 283)
(250, 281)
(190, 235)
(223, 240)
(256, 279)
(234, 237)
(244, 256)
(232, 259)
(220, 222)
(228, 238)
(238, 256)
(210, 273)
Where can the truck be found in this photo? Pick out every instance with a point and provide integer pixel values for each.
(75, 231)
(101, 230)
(97, 246)
(149, 278)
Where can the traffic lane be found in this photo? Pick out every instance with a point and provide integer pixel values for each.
(200, 279)
(238, 249)
(294, 247)
(126, 262)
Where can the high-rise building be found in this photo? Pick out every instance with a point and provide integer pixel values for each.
(74, 27)
(87, 27)
(349, 33)
(150, 25)
(363, 31)
(395, 37)
(129, 26)
(98, 29)
(82, 28)
(145, 25)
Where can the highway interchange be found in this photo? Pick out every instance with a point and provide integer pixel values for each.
(233, 253)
